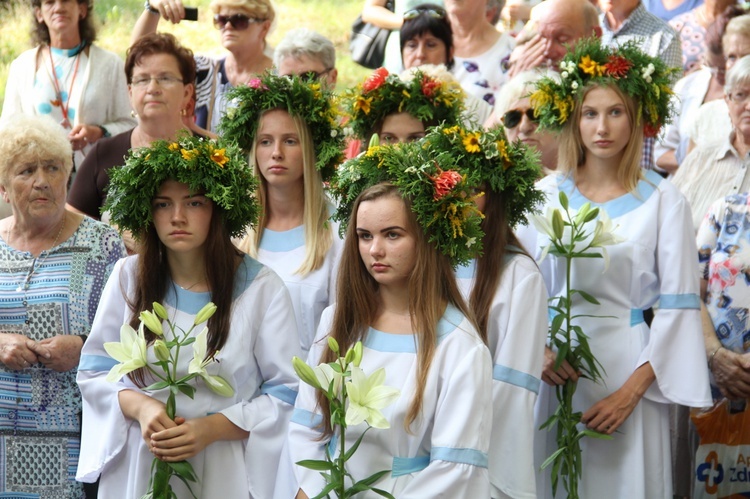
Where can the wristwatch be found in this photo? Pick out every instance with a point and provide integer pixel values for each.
(105, 132)
(147, 6)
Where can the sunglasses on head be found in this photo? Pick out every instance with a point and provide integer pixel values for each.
(434, 13)
(512, 118)
(240, 22)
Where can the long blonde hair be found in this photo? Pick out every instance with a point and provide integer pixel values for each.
(572, 153)
(318, 232)
(431, 285)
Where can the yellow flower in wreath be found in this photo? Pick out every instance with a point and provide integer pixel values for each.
(188, 155)
(363, 104)
(219, 156)
(590, 66)
(471, 142)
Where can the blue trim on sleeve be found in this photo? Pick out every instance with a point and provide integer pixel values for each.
(466, 271)
(332, 443)
(516, 378)
(306, 418)
(281, 392)
(462, 456)
(280, 242)
(636, 317)
(684, 301)
(407, 465)
(96, 363)
(620, 205)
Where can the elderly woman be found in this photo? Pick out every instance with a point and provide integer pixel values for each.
(67, 77)
(719, 169)
(723, 251)
(244, 25)
(426, 37)
(53, 266)
(160, 74)
(514, 111)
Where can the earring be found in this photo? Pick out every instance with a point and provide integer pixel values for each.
(133, 114)
(183, 112)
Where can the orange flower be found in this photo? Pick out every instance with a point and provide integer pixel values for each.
(429, 85)
(444, 182)
(617, 66)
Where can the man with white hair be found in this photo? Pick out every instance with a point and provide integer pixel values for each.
(305, 52)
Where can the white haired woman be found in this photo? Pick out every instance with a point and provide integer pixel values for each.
(53, 266)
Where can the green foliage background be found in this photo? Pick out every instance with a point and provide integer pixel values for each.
(116, 18)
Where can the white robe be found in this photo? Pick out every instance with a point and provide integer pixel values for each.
(446, 453)
(655, 264)
(516, 334)
(255, 360)
(284, 252)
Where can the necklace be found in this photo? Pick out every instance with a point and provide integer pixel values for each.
(192, 285)
(58, 92)
(24, 286)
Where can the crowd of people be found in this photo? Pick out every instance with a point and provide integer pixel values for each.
(392, 219)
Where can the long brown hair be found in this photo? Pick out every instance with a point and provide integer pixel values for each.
(431, 285)
(153, 279)
(497, 243)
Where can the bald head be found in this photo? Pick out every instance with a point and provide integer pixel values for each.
(564, 22)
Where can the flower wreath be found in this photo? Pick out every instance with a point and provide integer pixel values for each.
(644, 78)
(487, 158)
(422, 96)
(306, 99)
(212, 167)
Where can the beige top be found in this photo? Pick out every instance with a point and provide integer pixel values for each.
(711, 172)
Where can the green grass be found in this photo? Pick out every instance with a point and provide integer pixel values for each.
(116, 18)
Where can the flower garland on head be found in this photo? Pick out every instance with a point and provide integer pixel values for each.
(421, 95)
(644, 78)
(442, 197)
(306, 99)
(487, 158)
(210, 167)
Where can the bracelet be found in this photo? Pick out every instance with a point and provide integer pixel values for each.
(711, 358)
(147, 6)
(83, 337)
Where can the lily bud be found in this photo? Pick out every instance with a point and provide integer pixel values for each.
(333, 345)
(219, 385)
(160, 310)
(208, 310)
(152, 322)
(357, 353)
(161, 351)
(374, 141)
(305, 372)
(558, 226)
(563, 200)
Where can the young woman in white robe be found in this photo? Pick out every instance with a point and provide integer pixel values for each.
(294, 236)
(397, 294)
(233, 443)
(507, 294)
(644, 368)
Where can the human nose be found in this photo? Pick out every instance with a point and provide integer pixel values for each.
(376, 247)
(41, 181)
(277, 152)
(602, 126)
(178, 213)
(527, 126)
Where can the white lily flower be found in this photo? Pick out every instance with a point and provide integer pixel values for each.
(130, 352)
(367, 396)
(543, 224)
(604, 235)
(217, 384)
(325, 374)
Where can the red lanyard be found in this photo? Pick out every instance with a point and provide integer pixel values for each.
(63, 107)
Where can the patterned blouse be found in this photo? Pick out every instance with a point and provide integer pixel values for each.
(40, 408)
(724, 259)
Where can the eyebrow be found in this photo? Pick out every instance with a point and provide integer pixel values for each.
(386, 229)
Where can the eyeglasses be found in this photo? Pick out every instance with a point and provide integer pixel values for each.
(512, 118)
(314, 75)
(434, 13)
(739, 97)
(240, 22)
(162, 81)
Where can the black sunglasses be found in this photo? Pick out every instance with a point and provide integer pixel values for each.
(240, 22)
(434, 13)
(512, 118)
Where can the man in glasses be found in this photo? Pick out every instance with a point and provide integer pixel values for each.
(306, 53)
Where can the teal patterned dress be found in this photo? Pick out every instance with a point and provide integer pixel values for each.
(40, 408)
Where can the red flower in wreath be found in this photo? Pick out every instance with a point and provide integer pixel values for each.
(650, 130)
(375, 80)
(617, 66)
(429, 85)
(444, 182)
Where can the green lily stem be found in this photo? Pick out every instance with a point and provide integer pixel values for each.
(341, 461)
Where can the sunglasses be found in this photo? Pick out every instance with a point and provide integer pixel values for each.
(240, 22)
(431, 12)
(512, 118)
